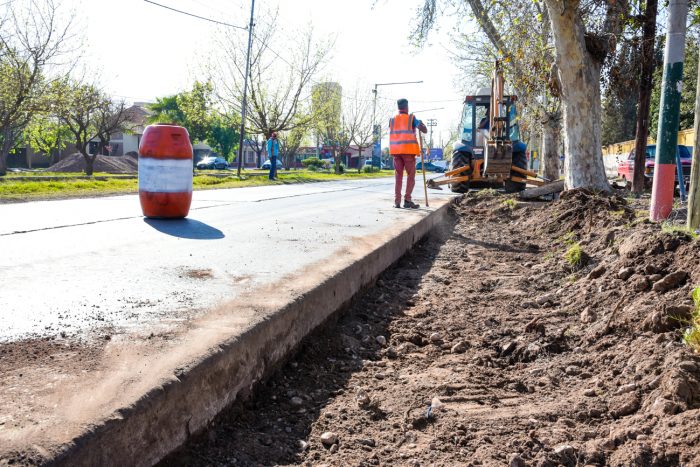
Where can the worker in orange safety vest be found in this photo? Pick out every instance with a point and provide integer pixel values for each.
(403, 146)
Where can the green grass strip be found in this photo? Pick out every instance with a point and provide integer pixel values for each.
(23, 190)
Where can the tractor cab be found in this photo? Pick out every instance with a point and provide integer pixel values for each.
(475, 122)
(489, 153)
(490, 143)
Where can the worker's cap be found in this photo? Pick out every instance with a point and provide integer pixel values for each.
(402, 103)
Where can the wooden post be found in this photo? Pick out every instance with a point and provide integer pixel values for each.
(694, 194)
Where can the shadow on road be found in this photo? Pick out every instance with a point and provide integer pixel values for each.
(185, 228)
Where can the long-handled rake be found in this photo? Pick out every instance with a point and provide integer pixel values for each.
(422, 165)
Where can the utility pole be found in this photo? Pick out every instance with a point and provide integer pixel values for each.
(377, 134)
(245, 89)
(431, 122)
(669, 114)
(694, 196)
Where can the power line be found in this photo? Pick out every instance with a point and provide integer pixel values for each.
(196, 16)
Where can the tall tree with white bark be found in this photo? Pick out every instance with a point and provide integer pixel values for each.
(583, 34)
(521, 37)
(581, 51)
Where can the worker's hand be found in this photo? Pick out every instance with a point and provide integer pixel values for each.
(422, 128)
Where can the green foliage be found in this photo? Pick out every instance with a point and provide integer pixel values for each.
(77, 107)
(313, 162)
(46, 134)
(196, 105)
(509, 203)
(167, 110)
(574, 256)
(690, 80)
(223, 135)
(74, 187)
(619, 116)
(569, 238)
(669, 228)
(486, 193)
(290, 141)
(194, 110)
(691, 336)
(368, 169)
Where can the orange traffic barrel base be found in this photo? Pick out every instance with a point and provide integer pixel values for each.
(165, 205)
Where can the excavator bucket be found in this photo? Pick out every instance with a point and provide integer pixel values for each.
(498, 159)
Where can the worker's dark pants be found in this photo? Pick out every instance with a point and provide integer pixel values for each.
(273, 167)
(401, 162)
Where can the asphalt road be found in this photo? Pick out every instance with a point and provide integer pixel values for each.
(84, 267)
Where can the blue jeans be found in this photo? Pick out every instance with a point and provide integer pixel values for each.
(273, 167)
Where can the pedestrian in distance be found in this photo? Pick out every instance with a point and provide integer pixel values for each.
(273, 151)
(403, 146)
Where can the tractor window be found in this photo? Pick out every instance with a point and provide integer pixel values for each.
(467, 123)
(514, 124)
(482, 117)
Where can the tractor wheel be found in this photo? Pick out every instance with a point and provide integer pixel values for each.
(459, 159)
(520, 161)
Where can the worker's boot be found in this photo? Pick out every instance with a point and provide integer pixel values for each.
(410, 204)
(397, 204)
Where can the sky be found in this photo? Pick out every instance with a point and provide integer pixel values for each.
(139, 51)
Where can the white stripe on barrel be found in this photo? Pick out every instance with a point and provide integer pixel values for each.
(165, 175)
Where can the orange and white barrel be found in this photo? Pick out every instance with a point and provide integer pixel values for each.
(165, 171)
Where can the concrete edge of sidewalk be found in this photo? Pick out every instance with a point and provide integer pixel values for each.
(163, 418)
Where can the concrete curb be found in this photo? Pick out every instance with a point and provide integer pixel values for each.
(162, 419)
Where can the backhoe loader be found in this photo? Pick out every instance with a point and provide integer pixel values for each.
(490, 153)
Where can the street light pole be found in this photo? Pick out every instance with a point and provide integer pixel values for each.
(245, 89)
(377, 134)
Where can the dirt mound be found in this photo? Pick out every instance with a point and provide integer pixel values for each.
(486, 347)
(582, 210)
(127, 164)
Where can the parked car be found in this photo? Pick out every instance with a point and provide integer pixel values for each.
(625, 170)
(210, 162)
(442, 164)
(266, 164)
(430, 166)
(368, 163)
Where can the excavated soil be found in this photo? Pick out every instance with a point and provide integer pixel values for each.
(484, 346)
(127, 164)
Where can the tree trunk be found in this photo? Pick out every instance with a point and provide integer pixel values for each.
(645, 85)
(89, 164)
(579, 74)
(551, 142)
(359, 159)
(336, 160)
(8, 141)
(694, 193)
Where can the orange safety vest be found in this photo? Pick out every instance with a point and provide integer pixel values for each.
(402, 136)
